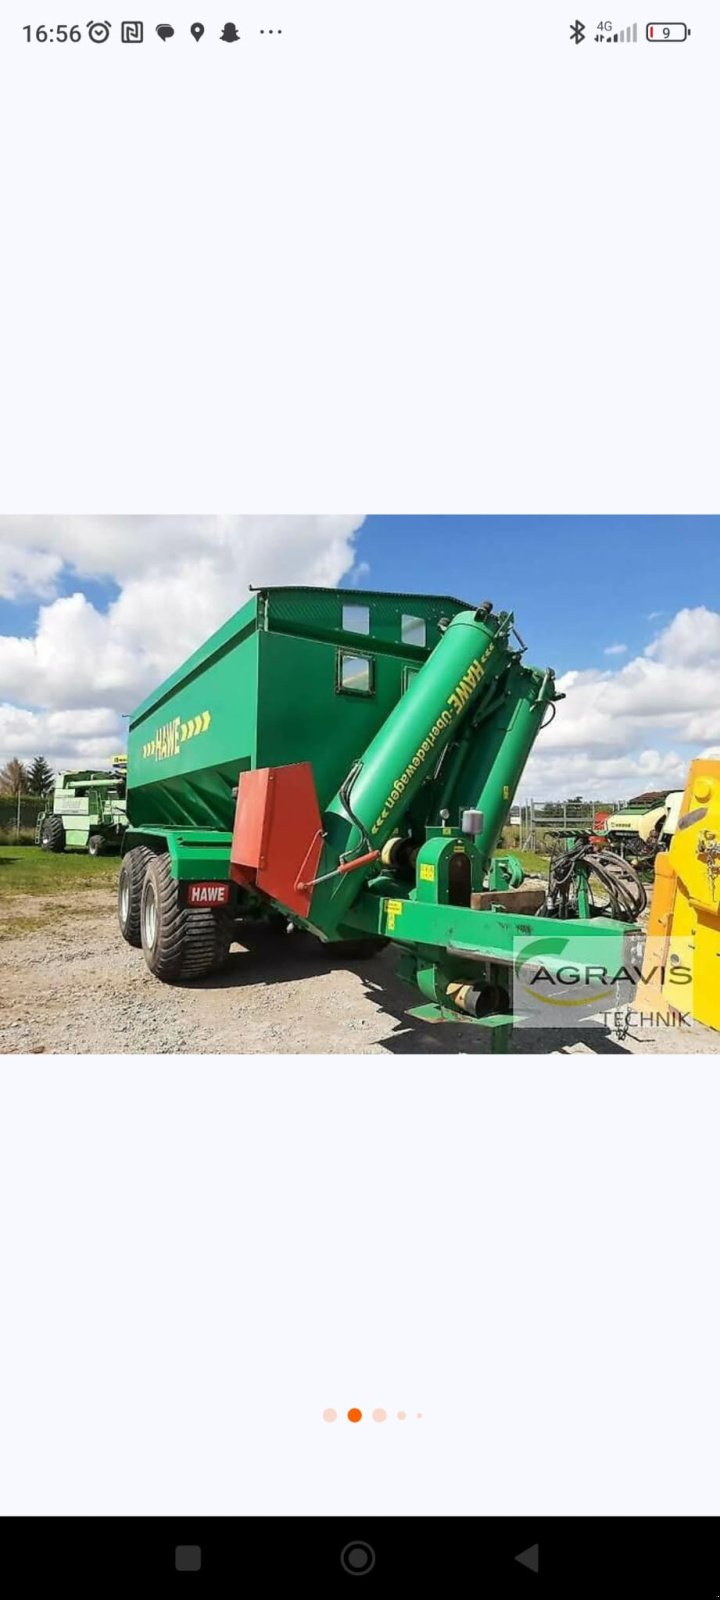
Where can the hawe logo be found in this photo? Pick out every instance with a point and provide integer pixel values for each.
(208, 894)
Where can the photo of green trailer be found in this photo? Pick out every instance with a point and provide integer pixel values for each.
(345, 761)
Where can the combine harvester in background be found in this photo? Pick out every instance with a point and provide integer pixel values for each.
(644, 827)
(86, 811)
(348, 760)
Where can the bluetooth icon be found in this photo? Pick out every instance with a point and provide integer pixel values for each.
(577, 32)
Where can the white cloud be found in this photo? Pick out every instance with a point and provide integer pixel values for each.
(27, 572)
(65, 738)
(178, 578)
(125, 548)
(638, 725)
(615, 650)
(692, 637)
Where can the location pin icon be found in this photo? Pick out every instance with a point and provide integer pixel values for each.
(197, 30)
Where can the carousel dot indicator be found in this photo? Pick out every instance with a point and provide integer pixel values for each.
(354, 1415)
(379, 1415)
(329, 1415)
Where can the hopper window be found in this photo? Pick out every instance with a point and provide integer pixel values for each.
(408, 674)
(413, 631)
(356, 619)
(355, 674)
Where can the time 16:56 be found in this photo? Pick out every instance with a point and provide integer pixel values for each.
(61, 33)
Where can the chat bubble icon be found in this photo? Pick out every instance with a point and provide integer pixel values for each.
(164, 31)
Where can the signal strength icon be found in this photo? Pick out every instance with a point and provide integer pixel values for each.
(625, 36)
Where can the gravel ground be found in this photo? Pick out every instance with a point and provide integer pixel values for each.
(72, 985)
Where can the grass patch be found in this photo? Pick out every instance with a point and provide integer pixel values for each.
(532, 862)
(30, 870)
(529, 860)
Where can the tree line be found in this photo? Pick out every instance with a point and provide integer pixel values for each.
(18, 777)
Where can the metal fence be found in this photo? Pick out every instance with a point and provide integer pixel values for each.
(542, 821)
(18, 816)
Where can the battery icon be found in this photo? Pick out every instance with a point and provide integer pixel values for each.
(666, 32)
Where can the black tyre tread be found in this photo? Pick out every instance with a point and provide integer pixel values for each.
(54, 833)
(193, 941)
(96, 838)
(134, 863)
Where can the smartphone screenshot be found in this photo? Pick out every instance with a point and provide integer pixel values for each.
(359, 870)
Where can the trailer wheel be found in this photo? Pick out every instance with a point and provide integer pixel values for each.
(132, 873)
(96, 845)
(53, 834)
(180, 942)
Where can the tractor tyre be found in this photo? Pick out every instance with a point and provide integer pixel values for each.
(52, 836)
(96, 845)
(180, 942)
(132, 874)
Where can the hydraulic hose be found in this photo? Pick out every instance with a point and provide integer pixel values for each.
(344, 793)
(627, 897)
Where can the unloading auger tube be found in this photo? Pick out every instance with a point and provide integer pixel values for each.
(370, 805)
(486, 765)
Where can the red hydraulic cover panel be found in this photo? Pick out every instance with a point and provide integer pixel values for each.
(277, 837)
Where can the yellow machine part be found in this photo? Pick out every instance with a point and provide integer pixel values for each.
(687, 895)
(657, 946)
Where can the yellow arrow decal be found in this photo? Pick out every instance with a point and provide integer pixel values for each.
(180, 733)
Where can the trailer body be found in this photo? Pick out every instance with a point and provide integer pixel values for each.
(346, 759)
(283, 681)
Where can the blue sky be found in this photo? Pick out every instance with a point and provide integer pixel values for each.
(95, 611)
(576, 584)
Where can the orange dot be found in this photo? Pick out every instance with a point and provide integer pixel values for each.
(401, 1416)
(329, 1415)
(354, 1415)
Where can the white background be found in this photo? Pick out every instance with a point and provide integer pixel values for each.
(421, 257)
(415, 256)
(200, 1255)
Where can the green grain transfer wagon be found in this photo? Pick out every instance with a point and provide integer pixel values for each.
(345, 760)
